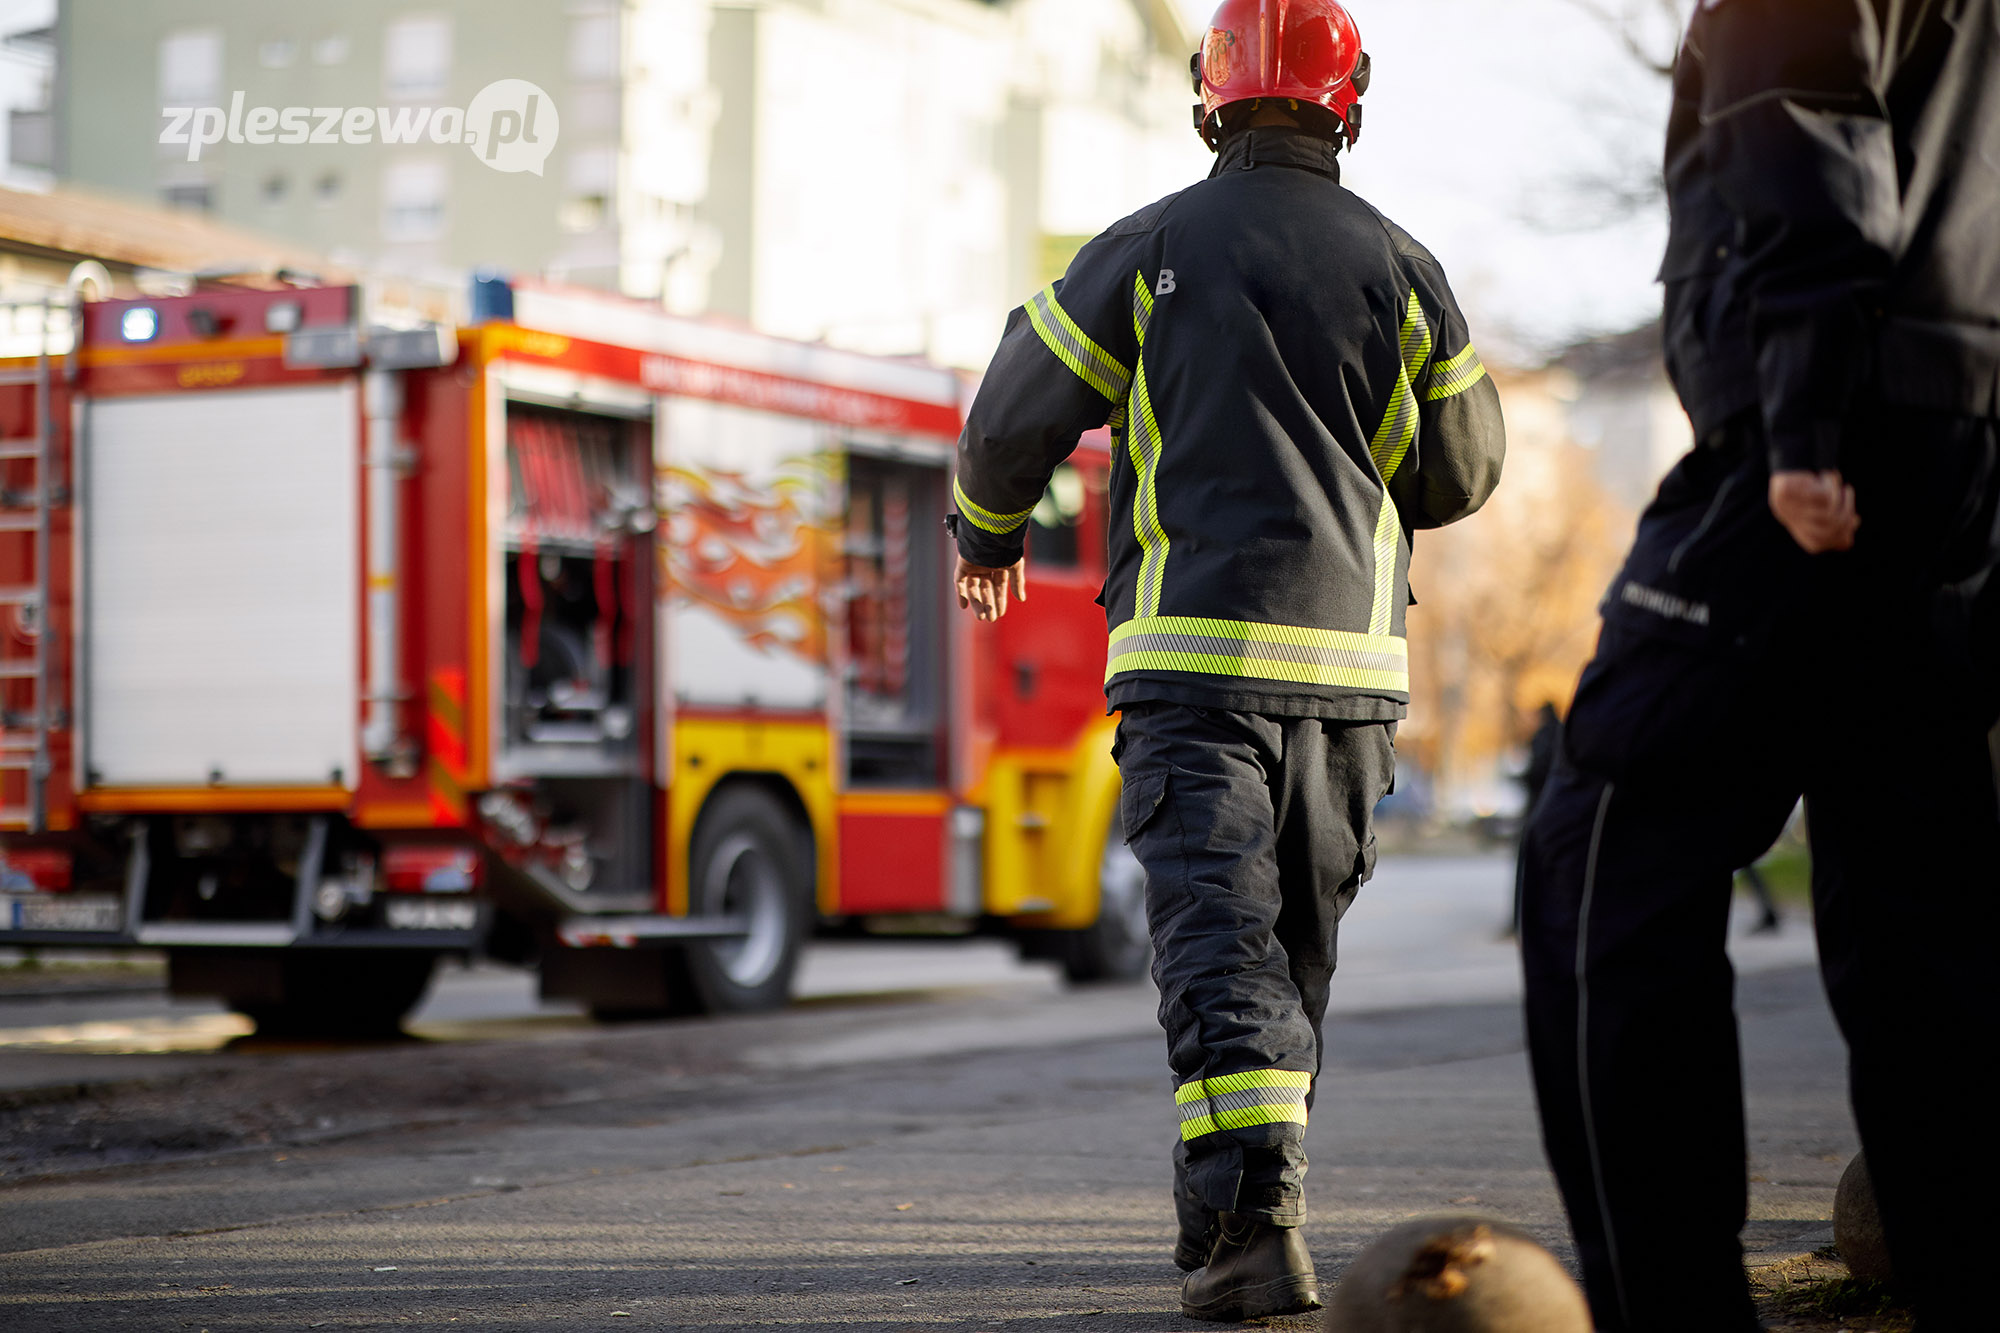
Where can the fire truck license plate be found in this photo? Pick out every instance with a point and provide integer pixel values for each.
(46, 912)
(429, 914)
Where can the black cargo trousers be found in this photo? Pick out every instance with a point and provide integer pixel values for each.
(1255, 834)
(1735, 675)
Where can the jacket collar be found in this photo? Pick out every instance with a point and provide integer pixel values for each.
(1278, 146)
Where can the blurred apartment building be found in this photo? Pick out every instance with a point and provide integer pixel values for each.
(888, 175)
(27, 71)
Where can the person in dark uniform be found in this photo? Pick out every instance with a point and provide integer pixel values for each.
(1291, 391)
(1807, 610)
(1542, 748)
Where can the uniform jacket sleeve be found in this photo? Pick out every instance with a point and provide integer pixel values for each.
(1460, 439)
(1798, 144)
(1062, 368)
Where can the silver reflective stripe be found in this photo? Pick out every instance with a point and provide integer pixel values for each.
(1145, 445)
(1074, 348)
(1238, 1101)
(1264, 649)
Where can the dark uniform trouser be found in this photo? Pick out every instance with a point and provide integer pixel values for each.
(1683, 762)
(1255, 835)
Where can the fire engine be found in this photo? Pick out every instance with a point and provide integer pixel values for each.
(568, 633)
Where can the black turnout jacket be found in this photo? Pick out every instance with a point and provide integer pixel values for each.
(1833, 174)
(1291, 390)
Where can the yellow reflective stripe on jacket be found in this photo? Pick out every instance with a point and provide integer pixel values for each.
(985, 519)
(1143, 443)
(1142, 307)
(1454, 377)
(1399, 423)
(1073, 347)
(1245, 650)
(1389, 448)
(1388, 528)
(1240, 1101)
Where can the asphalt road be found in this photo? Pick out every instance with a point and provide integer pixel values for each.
(938, 1137)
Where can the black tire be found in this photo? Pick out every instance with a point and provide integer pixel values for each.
(750, 857)
(358, 994)
(1118, 946)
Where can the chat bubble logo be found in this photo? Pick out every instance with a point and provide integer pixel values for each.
(511, 124)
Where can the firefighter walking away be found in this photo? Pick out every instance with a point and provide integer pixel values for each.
(1291, 391)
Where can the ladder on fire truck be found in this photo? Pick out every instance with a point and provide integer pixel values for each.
(24, 738)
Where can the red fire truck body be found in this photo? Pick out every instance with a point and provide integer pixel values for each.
(583, 636)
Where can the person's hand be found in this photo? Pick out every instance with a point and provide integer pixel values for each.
(984, 590)
(1817, 508)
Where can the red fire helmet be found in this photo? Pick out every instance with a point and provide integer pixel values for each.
(1308, 50)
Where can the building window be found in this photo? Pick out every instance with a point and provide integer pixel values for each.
(191, 69)
(30, 139)
(591, 174)
(194, 197)
(413, 199)
(274, 189)
(1052, 536)
(326, 190)
(416, 59)
(593, 48)
(329, 50)
(278, 53)
(582, 213)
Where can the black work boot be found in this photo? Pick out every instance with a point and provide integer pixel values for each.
(1190, 1254)
(1254, 1270)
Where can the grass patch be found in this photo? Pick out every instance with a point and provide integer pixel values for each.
(1788, 870)
(1844, 1298)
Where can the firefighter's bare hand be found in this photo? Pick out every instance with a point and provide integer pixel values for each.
(983, 589)
(1817, 508)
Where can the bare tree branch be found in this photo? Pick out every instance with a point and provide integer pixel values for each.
(1625, 26)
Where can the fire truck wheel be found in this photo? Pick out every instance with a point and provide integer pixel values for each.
(1118, 946)
(750, 858)
(348, 994)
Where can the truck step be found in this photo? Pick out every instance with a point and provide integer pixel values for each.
(19, 522)
(20, 670)
(12, 449)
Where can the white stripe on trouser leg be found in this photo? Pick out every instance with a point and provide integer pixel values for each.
(1583, 1045)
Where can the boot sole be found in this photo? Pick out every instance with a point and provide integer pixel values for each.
(1285, 1295)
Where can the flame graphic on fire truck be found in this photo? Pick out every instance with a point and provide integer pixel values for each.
(758, 553)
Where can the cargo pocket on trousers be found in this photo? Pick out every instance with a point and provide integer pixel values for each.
(1140, 802)
(1154, 837)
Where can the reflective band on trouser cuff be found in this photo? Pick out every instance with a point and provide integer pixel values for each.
(1073, 347)
(1239, 1101)
(985, 519)
(1454, 377)
(1246, 651)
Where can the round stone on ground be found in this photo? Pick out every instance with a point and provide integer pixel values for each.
(1857, 1226)
(1456, 1273)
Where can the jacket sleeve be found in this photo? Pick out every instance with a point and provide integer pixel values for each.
(1062, 368)
(1797, 139)
(1460, 441)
